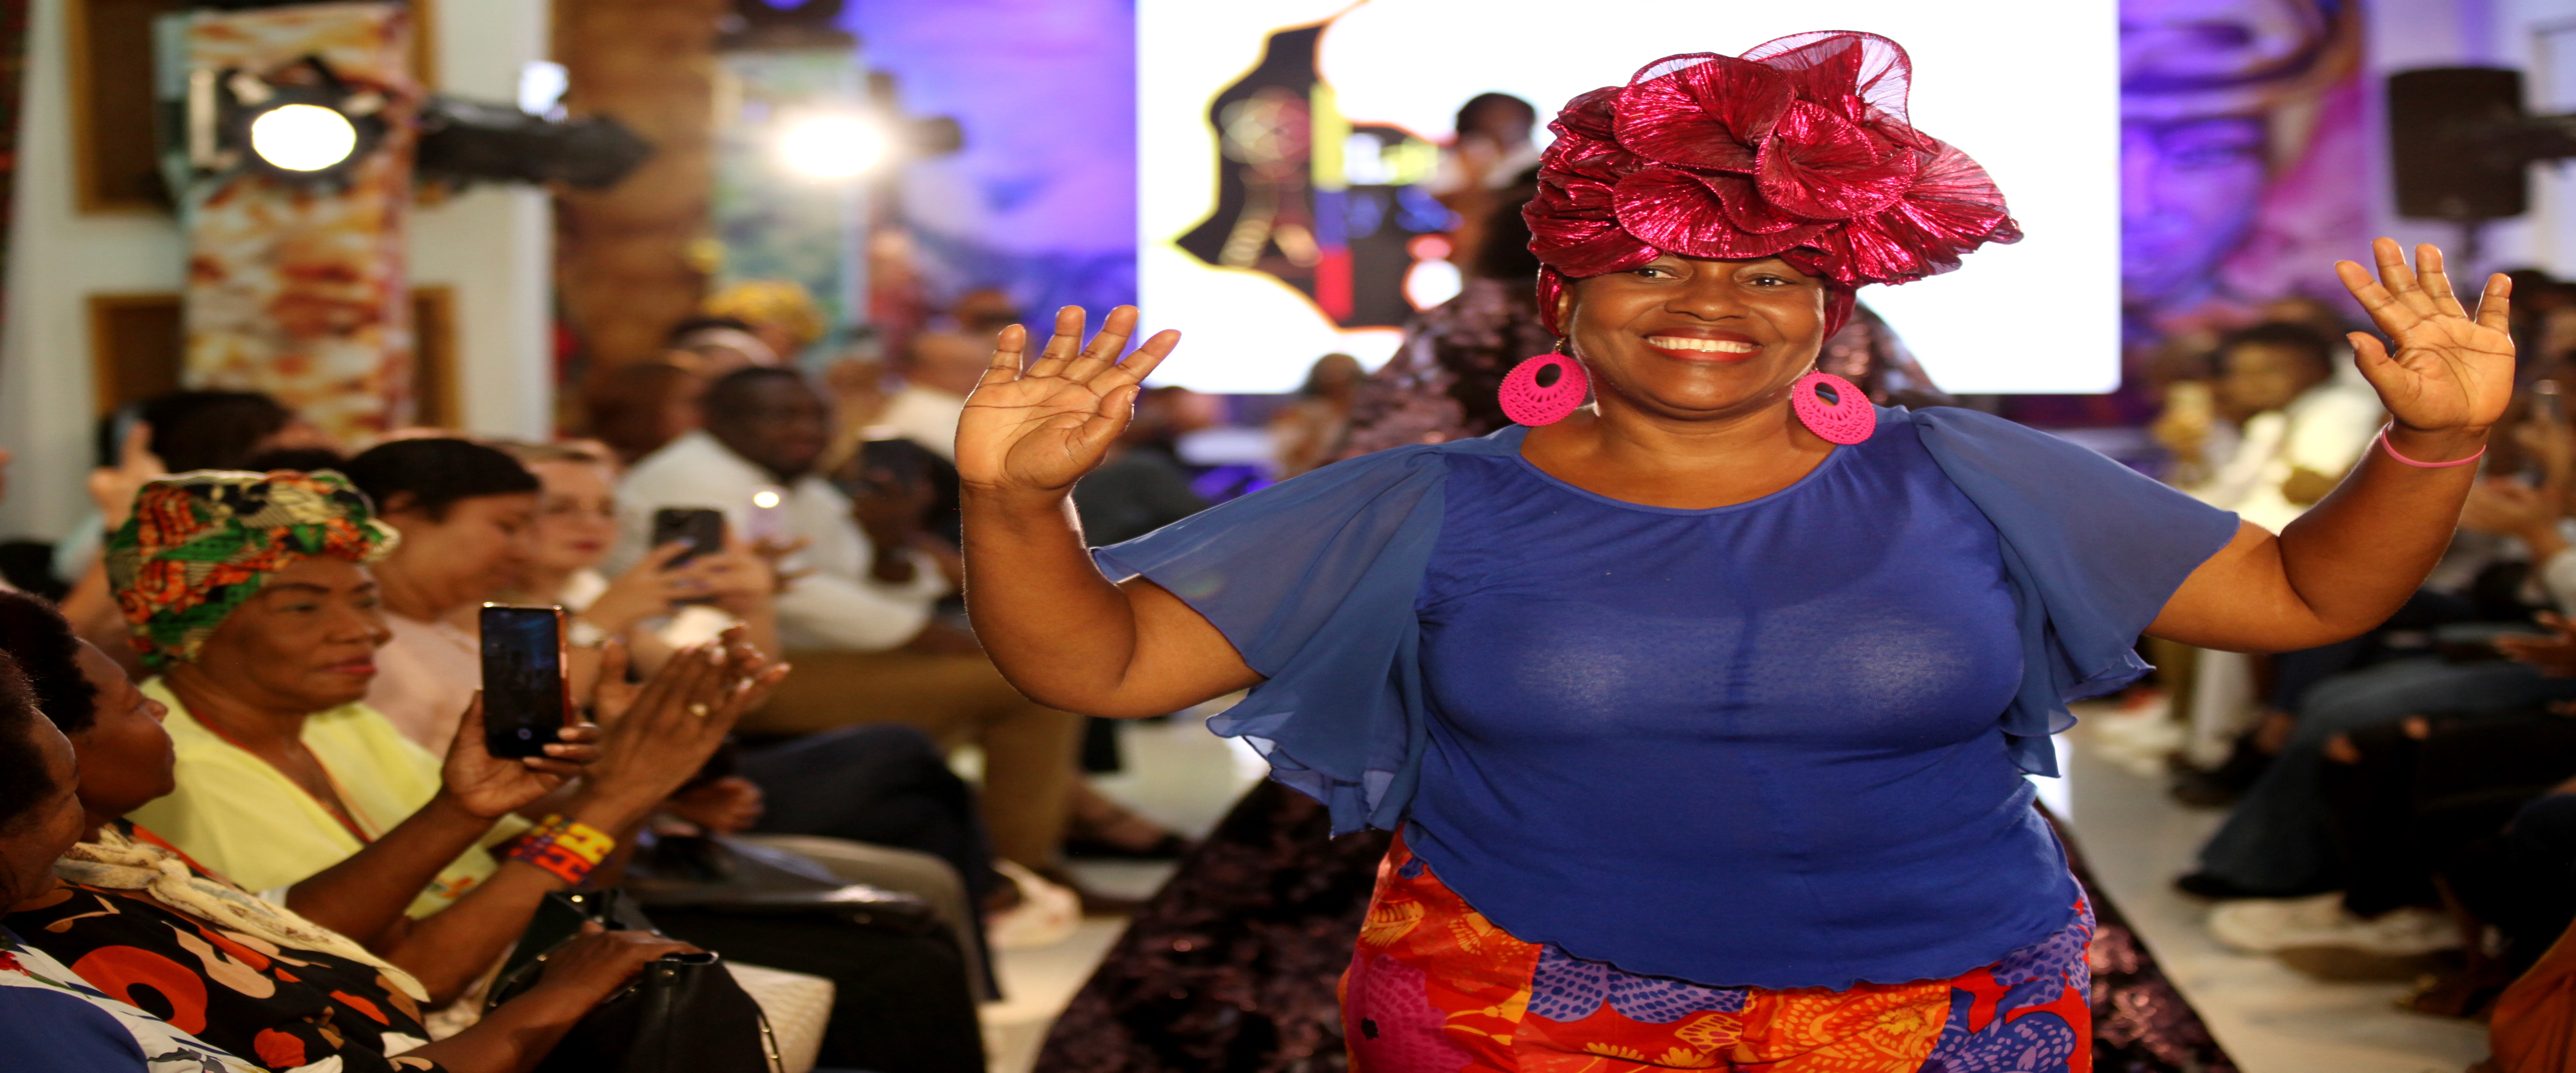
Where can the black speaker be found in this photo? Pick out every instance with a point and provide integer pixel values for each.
(2453, 144)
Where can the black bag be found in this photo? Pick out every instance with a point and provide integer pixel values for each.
(722, 875)
(901, 997)
(683, 1014)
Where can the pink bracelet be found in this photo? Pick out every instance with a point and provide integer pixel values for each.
(2391, 448)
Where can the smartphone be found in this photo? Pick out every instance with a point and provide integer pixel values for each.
(527, 700)
(767, 521)
(701, 528)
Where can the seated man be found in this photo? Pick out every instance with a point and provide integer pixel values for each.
(858, 624)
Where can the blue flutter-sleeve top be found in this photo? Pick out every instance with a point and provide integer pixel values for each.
(1775, 744)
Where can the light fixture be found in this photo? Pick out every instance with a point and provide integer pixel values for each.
(302, 137)
(304, 126)
(300, 124)
(463, 142)
(831, 146)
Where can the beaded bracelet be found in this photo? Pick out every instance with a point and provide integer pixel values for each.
(565, 849)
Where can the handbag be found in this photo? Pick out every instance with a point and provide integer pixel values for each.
(684, 1013)
(735, 878)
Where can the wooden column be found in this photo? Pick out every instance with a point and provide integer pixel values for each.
(631, 260)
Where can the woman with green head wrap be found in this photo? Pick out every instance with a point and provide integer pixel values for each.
(249, 597)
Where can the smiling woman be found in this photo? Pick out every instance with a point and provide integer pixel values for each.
(1707, 708)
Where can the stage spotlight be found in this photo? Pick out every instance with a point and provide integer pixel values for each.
(831, 147)
(303, 137)
(301, 125)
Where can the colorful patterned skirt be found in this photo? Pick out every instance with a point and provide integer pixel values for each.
(1436, 986)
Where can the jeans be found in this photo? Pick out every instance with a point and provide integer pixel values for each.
(2277, 840)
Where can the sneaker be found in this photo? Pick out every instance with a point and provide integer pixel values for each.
(2270, 925)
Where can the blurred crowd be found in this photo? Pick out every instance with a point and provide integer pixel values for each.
(265, 648)
(246, 785)
(2402, 805)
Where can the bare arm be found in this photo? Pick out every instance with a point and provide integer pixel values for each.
(663, 736)
(2347, 564)
(1056, 627)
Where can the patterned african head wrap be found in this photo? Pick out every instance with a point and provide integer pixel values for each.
(200, 543)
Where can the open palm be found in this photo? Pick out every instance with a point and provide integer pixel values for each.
(1043, 427)
(2452, 369)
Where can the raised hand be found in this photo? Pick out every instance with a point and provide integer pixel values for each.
(1039, 429)
(2453, 370)
(487, 786)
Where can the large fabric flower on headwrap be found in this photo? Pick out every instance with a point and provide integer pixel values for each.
(1798, 149)
(200, 543)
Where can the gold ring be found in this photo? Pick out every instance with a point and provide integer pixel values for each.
(699, 709)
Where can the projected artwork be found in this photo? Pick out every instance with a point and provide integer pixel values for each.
(2241, 130)
(1284, 148)
(2243, 124)
(1326, 206)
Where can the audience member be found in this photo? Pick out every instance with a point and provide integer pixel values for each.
(637, 407)
(1868, 353)
(2297, 428)
(888, 785)
(463, 510)
(288, 783)
(780, 312)
(1142, 486)
(1493, 145)
(1305, 433)
(939, 370)
(713, 346)
(269, 983)
(655, 607)
(1441, 383)
(51, 1018)
(985, 311)
(859, 626)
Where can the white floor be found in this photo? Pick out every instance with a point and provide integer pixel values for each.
(2270, 1018)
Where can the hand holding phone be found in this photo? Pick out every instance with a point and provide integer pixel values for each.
(527, 698)
(701, 528)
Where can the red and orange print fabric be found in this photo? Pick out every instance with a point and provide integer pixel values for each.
(1436, 986)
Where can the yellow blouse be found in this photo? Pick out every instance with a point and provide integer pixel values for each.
(246, 821)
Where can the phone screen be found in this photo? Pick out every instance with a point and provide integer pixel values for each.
(701, 528)
(526, 699)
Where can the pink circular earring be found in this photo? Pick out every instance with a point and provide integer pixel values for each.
(1847, 420)
(1544, 389)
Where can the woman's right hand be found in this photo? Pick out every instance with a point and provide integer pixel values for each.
(592, 967)
(670, 728)
(1040, 429)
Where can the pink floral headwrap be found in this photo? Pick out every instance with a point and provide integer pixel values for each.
(1798, 149)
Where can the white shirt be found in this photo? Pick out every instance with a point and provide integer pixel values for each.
(926, 416)
(425, 676)
(2324, 430)
(836, 606)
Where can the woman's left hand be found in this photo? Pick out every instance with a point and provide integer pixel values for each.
(2452, 373)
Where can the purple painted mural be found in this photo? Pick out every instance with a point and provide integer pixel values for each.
(1041, 203)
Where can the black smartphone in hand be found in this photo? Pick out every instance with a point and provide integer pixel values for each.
(527, 698)
(701, 528)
